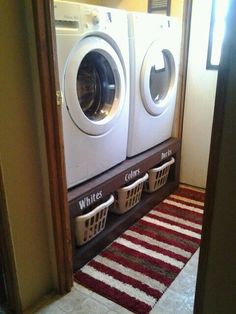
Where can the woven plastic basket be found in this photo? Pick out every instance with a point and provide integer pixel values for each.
(89, 225)
(158, 177)
(128, 196)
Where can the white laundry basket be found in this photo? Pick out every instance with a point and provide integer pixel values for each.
(158, 176)
(89, 225)
(128, 196)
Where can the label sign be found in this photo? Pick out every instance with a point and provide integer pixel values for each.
(132, 174)
(89, 200)
(166, 154)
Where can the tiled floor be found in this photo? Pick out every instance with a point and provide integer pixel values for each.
(178, 299)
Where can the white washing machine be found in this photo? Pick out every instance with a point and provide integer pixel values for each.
(154, 61)
(93, 62)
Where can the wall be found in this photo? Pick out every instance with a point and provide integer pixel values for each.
(21, 161)
(131, 5)
(96, 2)
(176, 8)
(199, 101)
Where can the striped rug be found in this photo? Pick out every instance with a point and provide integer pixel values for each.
(136, 269)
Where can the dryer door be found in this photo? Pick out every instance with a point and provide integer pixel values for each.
(158, 77)
(94, 86)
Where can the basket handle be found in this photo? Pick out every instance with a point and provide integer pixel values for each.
(136, 183)
(98, 208)
(166, 164)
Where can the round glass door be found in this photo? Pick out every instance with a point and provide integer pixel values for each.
(94, 86)
(160, 77)
(157, 79)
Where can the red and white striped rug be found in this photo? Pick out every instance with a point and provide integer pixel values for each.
(136, 269)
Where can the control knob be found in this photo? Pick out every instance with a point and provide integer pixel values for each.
(95, 18)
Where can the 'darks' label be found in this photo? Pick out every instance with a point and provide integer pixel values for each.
(166, 154)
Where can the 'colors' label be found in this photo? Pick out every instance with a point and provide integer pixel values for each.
(132, 174)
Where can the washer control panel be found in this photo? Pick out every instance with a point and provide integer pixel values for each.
(78, 18)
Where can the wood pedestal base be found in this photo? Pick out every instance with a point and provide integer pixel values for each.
(108, 182)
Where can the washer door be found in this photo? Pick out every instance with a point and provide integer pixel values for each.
(94, 86)
(158, 76)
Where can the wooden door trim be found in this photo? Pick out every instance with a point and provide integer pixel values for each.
(186, 27)
(48, 76)
(13, 301)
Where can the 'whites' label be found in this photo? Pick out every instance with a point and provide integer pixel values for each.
(89, 200)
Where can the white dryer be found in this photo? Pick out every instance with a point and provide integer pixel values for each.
(154, 61)
(93, 62)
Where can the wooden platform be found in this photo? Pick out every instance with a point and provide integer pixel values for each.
(107, 183)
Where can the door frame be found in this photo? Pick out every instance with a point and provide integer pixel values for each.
(51, 106)
(43, 16)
